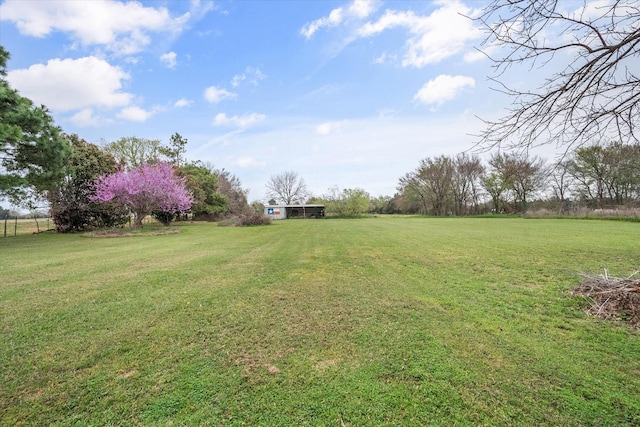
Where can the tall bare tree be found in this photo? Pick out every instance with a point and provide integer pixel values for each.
(438, 174)
(287, 188)
(514, 177)
(561, 183)
(132, 151)
(528, 176)
(595, 93)
(465, 183)
(431, 184)
(413, 189)
(230, 186)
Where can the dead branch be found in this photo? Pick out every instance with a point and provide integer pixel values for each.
(611, 297)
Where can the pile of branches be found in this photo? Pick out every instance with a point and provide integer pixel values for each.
(611, 297)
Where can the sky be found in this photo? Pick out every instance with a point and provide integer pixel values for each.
(347, 94)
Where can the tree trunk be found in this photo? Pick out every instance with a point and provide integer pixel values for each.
(137, 220)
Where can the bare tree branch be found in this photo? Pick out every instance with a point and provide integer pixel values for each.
(287, 188)
(595, 96)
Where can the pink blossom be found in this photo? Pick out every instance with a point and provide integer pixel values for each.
(145, 189)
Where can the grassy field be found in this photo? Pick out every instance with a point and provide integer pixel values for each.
(370, 322)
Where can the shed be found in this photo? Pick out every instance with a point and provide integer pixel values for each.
(294, 211)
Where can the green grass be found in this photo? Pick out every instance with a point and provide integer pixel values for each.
(369, 322)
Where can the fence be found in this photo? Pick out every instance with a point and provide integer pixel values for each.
(14, 226)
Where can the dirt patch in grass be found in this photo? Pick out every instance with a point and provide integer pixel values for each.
(251, 363)
(612, 297)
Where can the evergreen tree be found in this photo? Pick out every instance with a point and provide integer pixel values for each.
(33, 155)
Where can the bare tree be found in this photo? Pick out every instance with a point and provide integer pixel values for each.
(413, 188)
(287, 188)
(230, 186)
(438, 174)
(561, 183)
(132, 152)
(465, 182)
(514, 177)
(597, 92)
(528, 175)
(431, 184)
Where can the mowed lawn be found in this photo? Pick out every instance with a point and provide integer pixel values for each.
(369, 322)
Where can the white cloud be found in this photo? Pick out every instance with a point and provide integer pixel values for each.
(358, 9)
(384, 113)
(442, 34)
(168, 59)
(200, 8)
(445, 32)
(133, 60)
(250, 75)
(243, 121)
(589, 11)
(328, 128)
(385, 57)
(134, 114)
(237, 79)
(85, 118)
(214, 94)
(71, 84)
(247, 162)
(182, 102)
(334, 18)
(362, 8)
(443, 88)
(121, 27)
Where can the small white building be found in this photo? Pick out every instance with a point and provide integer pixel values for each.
(294, 211)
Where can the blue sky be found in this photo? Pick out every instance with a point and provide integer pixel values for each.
(347, 94)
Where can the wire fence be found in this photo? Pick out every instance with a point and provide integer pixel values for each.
(10, 227)
(15, 226)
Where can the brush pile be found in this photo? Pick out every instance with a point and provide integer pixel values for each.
(611, 297)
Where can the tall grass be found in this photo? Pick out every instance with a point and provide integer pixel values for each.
(382, 321)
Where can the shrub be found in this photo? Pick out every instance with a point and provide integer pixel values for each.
(163, 217)
(245, 219)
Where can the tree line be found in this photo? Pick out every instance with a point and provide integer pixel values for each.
(104, 185)
(594, 95)
(598, 176)
(89, 186)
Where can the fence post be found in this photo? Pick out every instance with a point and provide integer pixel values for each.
(15, 227)
(5, 226)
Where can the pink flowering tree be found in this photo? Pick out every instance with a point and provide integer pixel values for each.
(145, 189)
